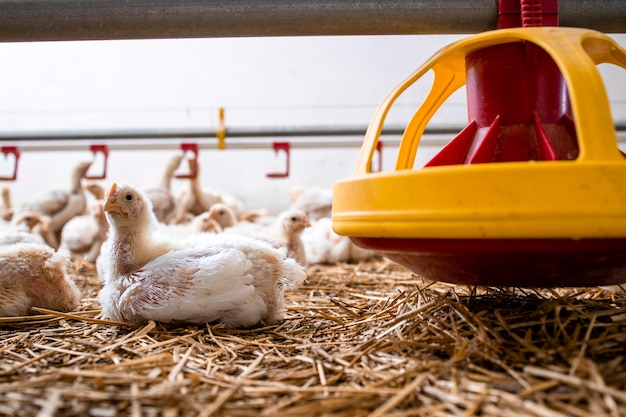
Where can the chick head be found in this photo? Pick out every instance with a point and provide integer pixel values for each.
(223, 215)
(293, 221)
(126, 206)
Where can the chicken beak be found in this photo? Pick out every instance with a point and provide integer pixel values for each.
(112, 206)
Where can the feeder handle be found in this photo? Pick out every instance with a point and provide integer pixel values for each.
(575, 51)
(447, 80)
(6, 150)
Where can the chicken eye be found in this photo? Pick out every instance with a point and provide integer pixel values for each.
(293, 219)
(129, 197)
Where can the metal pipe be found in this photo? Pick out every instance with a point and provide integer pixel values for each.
(231, 133)
(256, 132)
(431, 140)
(46, 146)
(57, 20)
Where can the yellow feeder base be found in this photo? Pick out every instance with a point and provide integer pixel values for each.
(523, 223)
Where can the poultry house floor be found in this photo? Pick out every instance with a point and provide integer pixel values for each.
(366, 339)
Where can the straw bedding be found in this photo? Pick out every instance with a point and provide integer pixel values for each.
(367, 339)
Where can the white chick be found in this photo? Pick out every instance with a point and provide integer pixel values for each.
(33, 275)
(323, 246)
(202, 223)
(60, 205)
(202, 279)
(258, 216)
(19, 232)
(96, 190)
(223, 215)
(285, 232)
(163, 201)
(289, 227)
(27, 227)
(198, 199)
(195, 200)
(317, 203)
(83, 235)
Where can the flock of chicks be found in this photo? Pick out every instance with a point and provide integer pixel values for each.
(199, 257)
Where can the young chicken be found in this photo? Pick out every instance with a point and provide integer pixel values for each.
(202, 223)
(201, 279)
(195, 200)
(323, 246)
(285, 232)
(33, 275)
(223, 215)
(28, 227)
(83, 235)
(60, 205)
(96, 190)
(317, 203)
(19, 232)
(163, 201)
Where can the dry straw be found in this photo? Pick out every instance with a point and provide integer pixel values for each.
(368, 339)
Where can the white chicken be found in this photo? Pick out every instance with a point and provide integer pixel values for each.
(198, 199)
(202, 223)
(223, 215)
(202, 279)
(33, 275)
(194, 200)
(19, 231)
(285, 232)
(316, 202)
(323, 246)
(27, 227)
(96, 190)
(163, 201)
(83, 235)
(60, 205)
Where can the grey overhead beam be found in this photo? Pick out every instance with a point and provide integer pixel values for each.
(56, 20)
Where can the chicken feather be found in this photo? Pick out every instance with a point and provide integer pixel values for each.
(34, 275)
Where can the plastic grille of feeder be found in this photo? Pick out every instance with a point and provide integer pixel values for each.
(531, 193)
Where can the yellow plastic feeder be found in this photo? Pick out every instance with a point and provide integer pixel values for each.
(532, 193)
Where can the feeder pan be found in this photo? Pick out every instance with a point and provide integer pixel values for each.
(532, 193)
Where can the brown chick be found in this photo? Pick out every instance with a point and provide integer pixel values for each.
(205, 278)
(33, 275)
(163, 201)
(60, 205)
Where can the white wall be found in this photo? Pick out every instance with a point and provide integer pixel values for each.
(181, 84)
